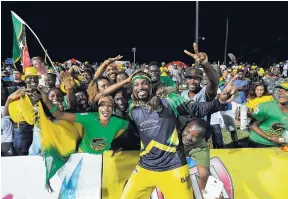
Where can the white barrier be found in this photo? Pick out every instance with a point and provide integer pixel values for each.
(24, 178)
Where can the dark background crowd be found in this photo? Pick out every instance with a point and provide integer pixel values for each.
(190, 82)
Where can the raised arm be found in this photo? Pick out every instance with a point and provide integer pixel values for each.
(69, 85)
(232, 80)
(202, 109)
(104, 65)
(211, 74)
(55, 111)
(111, 89)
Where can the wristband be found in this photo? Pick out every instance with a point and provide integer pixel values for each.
(54, 109)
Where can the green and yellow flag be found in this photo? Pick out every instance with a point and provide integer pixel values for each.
(59, 140)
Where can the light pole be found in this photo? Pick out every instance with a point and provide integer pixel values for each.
(134, 51)
(197, 26)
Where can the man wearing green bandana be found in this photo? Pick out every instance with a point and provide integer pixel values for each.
(162, 161)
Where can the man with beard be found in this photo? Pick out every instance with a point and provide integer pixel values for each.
(203, 93)
(162, 158)
(194, 77)
(154, 72)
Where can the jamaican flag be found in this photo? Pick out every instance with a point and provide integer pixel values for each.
(20, 48)
(59, 139)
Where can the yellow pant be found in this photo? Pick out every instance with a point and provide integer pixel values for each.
(174, 184)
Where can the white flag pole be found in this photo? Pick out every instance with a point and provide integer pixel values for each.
(37, 40)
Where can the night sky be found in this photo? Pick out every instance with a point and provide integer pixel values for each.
(94, 31)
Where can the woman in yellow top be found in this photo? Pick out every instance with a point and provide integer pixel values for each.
(257, 95)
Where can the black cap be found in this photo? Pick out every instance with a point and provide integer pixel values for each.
(193, 72)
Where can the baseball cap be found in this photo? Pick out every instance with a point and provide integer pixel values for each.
(283, 85)
(193, 72)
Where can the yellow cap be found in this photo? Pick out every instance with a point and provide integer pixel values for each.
(30, 71)
(283, 85)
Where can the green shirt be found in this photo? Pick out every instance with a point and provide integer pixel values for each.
(167, 81)
(273, 122)
(96, 138)
(200, 152)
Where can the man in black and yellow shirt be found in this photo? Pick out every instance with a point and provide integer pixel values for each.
(162, 161)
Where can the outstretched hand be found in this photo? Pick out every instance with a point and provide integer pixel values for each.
(201, 58)
(43, 95)
(111, 60)
(228, 94)
(165, 91)
(153, 104)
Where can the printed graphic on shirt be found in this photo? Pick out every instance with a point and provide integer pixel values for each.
(98, 144)
(276, 129)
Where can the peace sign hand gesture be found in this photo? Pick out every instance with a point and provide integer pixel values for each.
(201, 58)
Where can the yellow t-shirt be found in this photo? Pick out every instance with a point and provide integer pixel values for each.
(253, 103)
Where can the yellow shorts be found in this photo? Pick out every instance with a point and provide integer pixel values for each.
(174, 184)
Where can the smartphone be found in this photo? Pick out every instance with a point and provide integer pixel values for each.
(213, 188)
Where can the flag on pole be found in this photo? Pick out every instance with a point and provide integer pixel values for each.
(20, 48)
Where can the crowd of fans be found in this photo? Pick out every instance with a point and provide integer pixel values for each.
(120, 102)
(79, 88)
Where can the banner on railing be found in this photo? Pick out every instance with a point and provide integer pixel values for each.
(246, 173)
